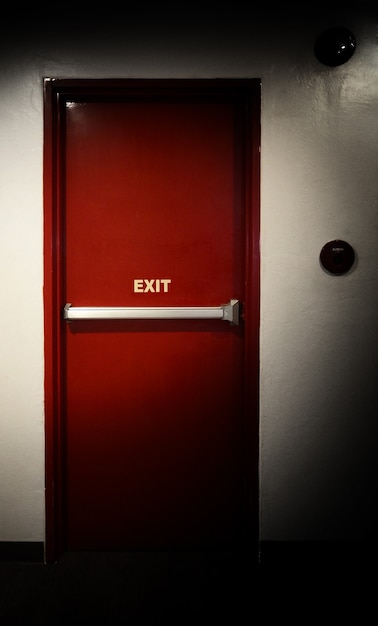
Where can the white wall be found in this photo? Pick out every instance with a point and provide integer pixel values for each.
(319, 181)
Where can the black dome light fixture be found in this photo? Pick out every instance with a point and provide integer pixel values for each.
(335, 46)
(337, 257)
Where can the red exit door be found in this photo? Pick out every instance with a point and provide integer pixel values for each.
(151, 303)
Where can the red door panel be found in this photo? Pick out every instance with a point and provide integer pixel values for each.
(155, 411)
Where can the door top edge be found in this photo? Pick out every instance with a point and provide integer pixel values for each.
(136, 86)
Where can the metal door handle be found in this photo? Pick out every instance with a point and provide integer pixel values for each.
(228, 312)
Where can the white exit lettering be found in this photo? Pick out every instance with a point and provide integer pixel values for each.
(153, 285)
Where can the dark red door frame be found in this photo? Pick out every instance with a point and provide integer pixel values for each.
(56, 93)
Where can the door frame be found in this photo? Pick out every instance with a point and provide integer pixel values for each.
(56, 93)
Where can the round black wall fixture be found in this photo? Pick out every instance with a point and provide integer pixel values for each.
(337, 257)
(335, 46)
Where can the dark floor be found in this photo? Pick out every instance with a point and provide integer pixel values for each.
(127, 588)
(150, 588)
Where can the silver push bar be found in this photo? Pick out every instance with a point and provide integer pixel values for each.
(228, 312)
